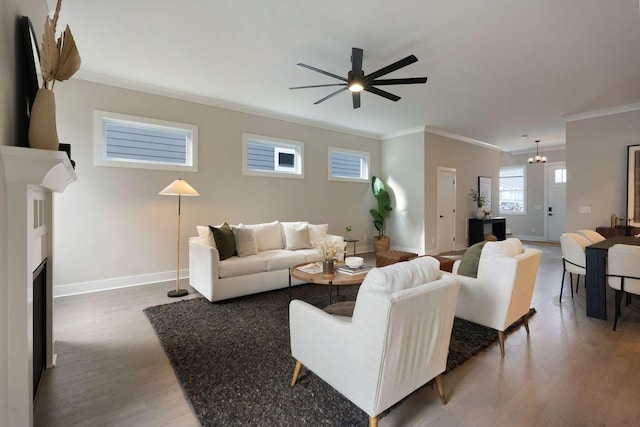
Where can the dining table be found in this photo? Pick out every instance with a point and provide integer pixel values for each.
(596, 273)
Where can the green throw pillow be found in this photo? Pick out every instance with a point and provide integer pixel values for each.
(469, 264)
(225, 242)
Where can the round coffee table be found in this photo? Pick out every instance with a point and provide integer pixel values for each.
(336, 279)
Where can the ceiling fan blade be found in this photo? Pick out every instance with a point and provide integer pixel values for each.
(390, 68)
(356, 60)
(318, 70)
(356, 100)
(330, 95)
(382, 93)
(409, 81)
(327, 85)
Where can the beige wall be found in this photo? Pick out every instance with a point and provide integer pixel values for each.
(10, 12)
(403, 173)
(596, 167)
(469, 161)
(112, 225)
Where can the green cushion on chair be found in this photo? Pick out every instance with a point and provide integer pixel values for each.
(469, 263)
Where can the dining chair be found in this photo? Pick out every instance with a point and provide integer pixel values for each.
(623, 273)
(592, 236)
(573, 258)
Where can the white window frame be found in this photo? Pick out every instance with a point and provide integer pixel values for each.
(100, 158)
(280, 146)
(364, 172)
(524, 191)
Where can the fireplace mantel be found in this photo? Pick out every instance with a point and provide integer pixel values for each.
(49, 169)
(31, 176)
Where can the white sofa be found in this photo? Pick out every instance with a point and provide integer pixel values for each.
(396, 341)
(273, 248)
(502, 291)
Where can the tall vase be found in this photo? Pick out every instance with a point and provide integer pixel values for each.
(480, 213)
(42, 126)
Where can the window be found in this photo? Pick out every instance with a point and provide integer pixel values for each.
(560, 176)
(348, 165)
(512, 190)
(138, 142)
(266, 156)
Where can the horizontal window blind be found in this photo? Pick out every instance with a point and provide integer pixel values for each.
(260, 157)
(345, 165)
(130, 141)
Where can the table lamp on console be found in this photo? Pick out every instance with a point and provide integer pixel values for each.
(179, 188)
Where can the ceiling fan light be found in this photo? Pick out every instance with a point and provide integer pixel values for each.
(356, 86)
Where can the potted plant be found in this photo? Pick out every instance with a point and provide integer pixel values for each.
(380, 242)
(479, 200)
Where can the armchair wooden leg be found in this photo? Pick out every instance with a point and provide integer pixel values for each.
(525, 322)
(501, 342)
(296, 372)
(373, 421)
(443, 398)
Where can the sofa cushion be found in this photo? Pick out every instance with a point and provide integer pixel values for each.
(225, 241)
(317, 231)
(268, 235)
(312, 255)
(403, 275)
(245, 238)
(281, 259)
(241, 266)
(510, 247)
(296, 236)
(469, 263)
(205, 231)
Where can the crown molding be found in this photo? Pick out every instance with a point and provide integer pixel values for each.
(212, 102)
(410, 131)
(604, 112)
(462, 138)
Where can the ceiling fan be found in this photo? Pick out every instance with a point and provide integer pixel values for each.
(357, 81)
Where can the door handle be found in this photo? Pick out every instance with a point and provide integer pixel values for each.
(441, 216)
(550, 214)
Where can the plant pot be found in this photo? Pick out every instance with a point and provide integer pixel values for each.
(480, 213)
(328, 266)
(42, 125)
(381, 244)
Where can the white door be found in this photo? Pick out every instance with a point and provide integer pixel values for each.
(556, 188)
(446, 209)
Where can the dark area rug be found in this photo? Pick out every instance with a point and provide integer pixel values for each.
(234, 363)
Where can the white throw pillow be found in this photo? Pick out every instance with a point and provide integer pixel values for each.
(205, 231)
(296, 236)
(402, 275)
(268, 235)
(245, 238)
(317, 231)
(510, 247)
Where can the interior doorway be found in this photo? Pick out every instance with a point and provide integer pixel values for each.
(446, 209)
(556, 199)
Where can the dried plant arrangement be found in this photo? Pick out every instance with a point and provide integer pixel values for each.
(59, 58)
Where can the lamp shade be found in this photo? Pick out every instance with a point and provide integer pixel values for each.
(179, 187)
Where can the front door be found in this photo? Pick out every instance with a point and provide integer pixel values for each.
(556, 189)
(446, 209)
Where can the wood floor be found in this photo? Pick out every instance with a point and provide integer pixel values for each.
(570, 371)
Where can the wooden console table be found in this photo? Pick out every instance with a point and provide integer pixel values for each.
(476, 229)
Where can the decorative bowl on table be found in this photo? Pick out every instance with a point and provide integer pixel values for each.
(354, 261)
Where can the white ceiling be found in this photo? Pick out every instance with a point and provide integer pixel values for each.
(497, 69)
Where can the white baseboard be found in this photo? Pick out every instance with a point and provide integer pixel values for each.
(530, 238)
(116, 283)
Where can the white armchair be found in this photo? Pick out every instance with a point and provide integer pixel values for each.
(502, 291)
(396, 341)
(623, 273)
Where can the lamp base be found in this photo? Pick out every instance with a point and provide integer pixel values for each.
(177, 293)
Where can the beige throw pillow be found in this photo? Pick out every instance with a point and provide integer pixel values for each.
(245, 238)
(296, 236)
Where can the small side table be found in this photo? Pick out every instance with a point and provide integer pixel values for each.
(354, 241)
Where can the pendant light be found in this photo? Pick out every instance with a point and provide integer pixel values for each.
(538, 158)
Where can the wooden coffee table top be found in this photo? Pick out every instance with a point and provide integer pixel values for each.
(322, 279)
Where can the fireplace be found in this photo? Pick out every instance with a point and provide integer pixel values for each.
(32, 176)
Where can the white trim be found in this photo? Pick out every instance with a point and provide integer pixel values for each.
(604, 112)
(99, 145)
(117, 283)
(429, 129)
(410, 131)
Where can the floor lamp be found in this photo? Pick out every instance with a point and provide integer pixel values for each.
(179, 188)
